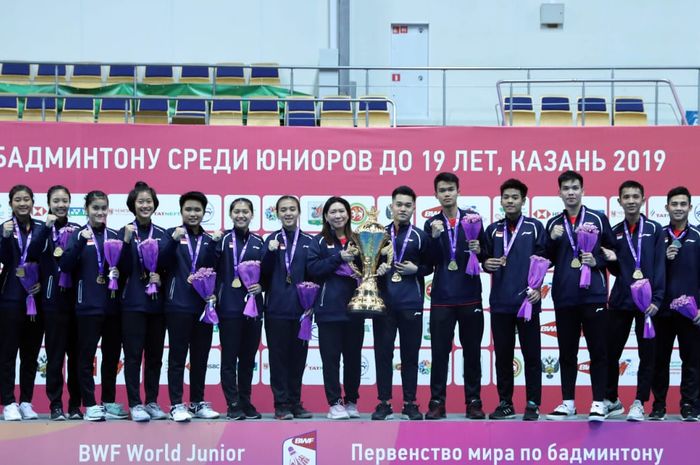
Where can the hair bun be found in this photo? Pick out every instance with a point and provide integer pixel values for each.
(140, 184)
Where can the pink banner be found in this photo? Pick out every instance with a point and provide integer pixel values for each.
(364, 165)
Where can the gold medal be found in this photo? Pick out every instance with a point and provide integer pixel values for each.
(638, 274)
(396, 278)
(57, 252)
(190, 278)
(236, 283)
(20, 272)
(289, 279)
(452, 266)
(101, 279)
(575, 263)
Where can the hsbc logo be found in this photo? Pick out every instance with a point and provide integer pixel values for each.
(39, 211)
(541, 214)
(430, 212)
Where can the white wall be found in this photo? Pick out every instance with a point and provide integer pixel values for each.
(462, 32)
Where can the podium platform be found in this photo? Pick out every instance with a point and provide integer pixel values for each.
(325, 442)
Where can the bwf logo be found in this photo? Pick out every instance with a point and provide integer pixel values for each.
(300, 450)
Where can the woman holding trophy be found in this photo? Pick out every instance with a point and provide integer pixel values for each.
(330, 256)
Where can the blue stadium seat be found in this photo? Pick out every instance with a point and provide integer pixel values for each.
(596, 113)
(555, 111)
(86, 76)
(121, 73)
(152, 111)
(32, 109)
(190, 111)
(47, 73)
(226, 112)
(629, 111)
(265, 74)
(263, 112)
(194, 75)
(519, 111)
(300, 111)
(374, 112)
(114, 110)
(78, 110)
(230, 74)
(158, 74)
(14, 72)
(337, 111)
(9, 108)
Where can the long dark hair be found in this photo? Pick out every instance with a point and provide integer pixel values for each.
(19, 188)
(327, 230)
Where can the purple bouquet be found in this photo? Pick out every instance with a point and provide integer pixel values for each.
(641, 294)
(65, 281)
(471, 224)
(345, 270)
(149, 252)
(686, 306)
(204, 282)
(307, 292)
(535, 276)
(586, 237)
(29, 280)
(249, 271)
(113, 249)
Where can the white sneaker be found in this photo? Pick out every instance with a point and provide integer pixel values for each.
(636, 412)
(95, 413)
(338, 412)
(138, 413)
(155, 412)
(562, 412)
(351, 408)
(598, 412)
(179, 413)
(27, 412)
(613, 409)
(11, 412)
(203, 410)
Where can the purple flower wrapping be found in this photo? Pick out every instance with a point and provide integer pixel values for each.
(471, 225)
(586, 238)
(65, 280)
(307, 292)
(149, 252)
(29, 280)
(204, 282)
(641, 295)
(249, 271)
(113, 249)
(686, 306)
(535, 276)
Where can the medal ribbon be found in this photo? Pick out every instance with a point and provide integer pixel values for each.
(508, 244)
(234, 250)
(194, 255)
(452, 233)
(23, 248)
(569, 232)
(100, 260)
(288, 258)
(138, 241)
(399, 256)
(636, 254)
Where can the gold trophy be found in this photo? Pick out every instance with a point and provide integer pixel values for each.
(372, 241)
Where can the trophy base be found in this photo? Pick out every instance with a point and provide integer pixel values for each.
(366, 300)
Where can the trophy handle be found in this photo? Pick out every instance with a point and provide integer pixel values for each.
(389, 253)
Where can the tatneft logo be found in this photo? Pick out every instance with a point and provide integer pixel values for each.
(358, 213)
(541, 214)
(550, 366)
(430, 212)
(517, 367)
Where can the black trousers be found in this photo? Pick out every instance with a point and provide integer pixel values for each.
(471, 329)
(667, 329)
(61, 340)
(341, 338)
(240, 340)
(594, 320)
(186, 332)
(287, 357)
(504, 326)
(90, 329)
(143, 335)
(410, 327)
(19, 333)
(620, 323)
